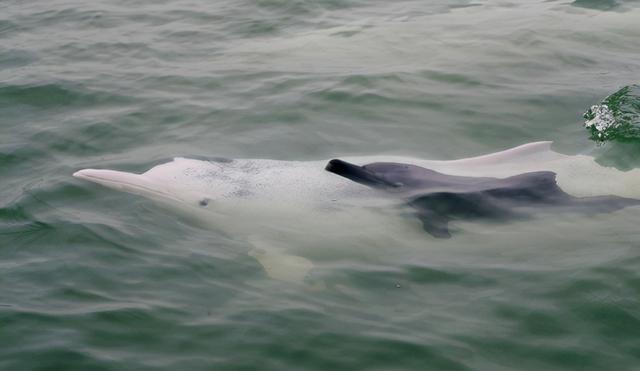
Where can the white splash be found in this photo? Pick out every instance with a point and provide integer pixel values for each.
(602, 119)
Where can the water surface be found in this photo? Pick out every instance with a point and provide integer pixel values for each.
(95, 279)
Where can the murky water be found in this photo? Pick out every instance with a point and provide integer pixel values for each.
(95, 279)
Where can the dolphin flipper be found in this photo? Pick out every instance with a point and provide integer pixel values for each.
(436, 210)
(283, 267)
(278, 264)
(434, 224)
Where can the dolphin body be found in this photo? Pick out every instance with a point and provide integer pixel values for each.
(266, 199)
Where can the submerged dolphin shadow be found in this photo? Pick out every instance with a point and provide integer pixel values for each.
(439, 198)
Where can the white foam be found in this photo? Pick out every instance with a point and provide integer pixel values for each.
(603, 119)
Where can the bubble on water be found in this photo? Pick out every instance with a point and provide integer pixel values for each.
(617, 117)
(600, 118)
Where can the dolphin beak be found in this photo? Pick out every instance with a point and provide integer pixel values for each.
(108, 177)
(122, 181)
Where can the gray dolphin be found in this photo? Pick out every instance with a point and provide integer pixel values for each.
(439, 198)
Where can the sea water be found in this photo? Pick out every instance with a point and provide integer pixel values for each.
(93, 279)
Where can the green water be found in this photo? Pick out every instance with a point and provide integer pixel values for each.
(92, 279)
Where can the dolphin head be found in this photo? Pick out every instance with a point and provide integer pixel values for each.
(184, 181)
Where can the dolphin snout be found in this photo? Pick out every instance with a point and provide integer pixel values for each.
(121, 180)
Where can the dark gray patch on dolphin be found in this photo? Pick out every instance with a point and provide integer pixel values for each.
(439, 198)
